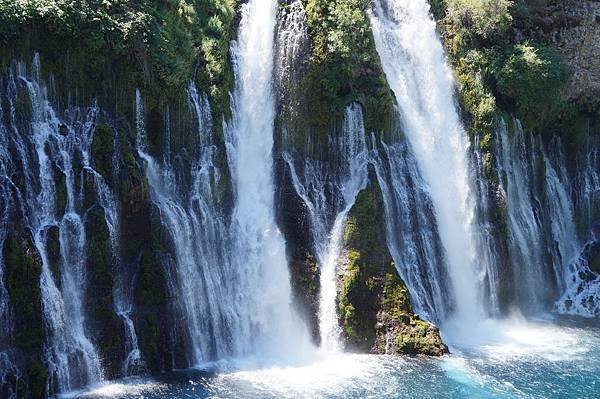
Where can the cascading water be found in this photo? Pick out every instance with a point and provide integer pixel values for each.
(547, 256)
(70, 355)
(411, 231)
(243, 307)
(207, 296)
(414, 64)
(259, 246)
(122, 290)
(527, 249)
(329, 189)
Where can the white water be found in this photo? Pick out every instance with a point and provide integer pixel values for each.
(547, 254)
(71, 357)
(231, 275)
(329, 189)
(411, 230)
(414, 64)
(259, 246)
(205, 295)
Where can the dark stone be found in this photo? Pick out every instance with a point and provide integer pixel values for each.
(106, 326)
(63, 130)
(293, 222)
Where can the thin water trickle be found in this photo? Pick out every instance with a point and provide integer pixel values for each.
(329, 189)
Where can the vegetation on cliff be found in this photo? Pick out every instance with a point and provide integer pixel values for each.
(501, 67)
(151, 44)
(373, 302)
(344, 66)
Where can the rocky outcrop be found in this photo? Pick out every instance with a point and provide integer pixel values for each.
(373, 302)
(573, 28)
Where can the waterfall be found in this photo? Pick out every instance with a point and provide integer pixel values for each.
(45, 146)
(208, 297)
(548, 260)
(411, 230)
(230, 279)
(414, 64)
(526, 245)
(8, 365)
(329, 189)
(259, 247)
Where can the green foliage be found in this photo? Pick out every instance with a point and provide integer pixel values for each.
(344, 66)
(532, 76)
(480, 20)
(151, 44)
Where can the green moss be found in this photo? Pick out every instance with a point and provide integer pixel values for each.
(346, 310)
(38, 377)
(373, 301)
(22, 279)
(395, 298)
(105, 324)
(360, 232)
(151, 284)
(102, 149)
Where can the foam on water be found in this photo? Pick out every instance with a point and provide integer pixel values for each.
(525, 360)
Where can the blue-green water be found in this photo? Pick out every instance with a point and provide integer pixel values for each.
(500, 360)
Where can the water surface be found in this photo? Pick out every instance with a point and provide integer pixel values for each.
(516, 359)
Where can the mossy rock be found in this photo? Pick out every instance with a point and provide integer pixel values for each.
(373, 302)
(594, 257)
(150, 288)
(106, 326)
(23, 268)
(102, 149)
(37, 376)
(344, 66)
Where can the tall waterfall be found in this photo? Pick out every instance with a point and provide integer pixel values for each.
(206, 295)
(46, 148)
(231, 275)
(329, 189)
(414, 63)
(259, 246)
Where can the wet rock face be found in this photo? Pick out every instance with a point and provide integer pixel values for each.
(304, 272)
(573, 27)
(373, 302)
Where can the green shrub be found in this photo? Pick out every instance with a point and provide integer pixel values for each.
(480, 19)
(532, 76)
